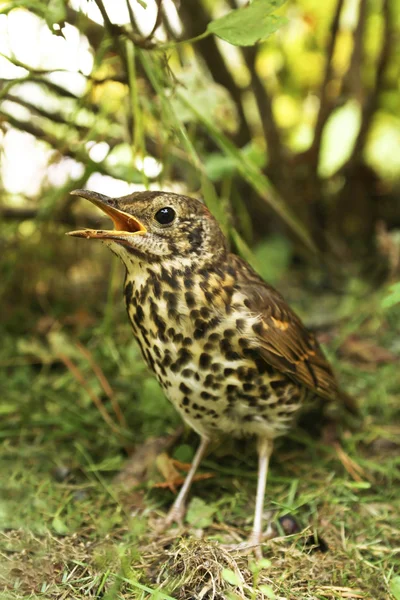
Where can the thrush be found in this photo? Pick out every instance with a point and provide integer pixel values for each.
(226, 348)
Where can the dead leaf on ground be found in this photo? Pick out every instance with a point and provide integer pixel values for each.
(168, 467)
(366, 352)
(144, 458)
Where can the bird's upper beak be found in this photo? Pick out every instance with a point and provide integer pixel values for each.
(125, 224)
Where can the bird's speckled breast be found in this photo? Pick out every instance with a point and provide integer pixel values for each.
(196, 333)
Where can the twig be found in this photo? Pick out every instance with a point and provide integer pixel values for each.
(98, 371)
(8, 213)
(325, 107)
(131, 15)
(352, 81)
(57, 117)
(157, 21)
(371, 103)
(55, 143)
(114, 29)
(195, 20)
(264, 104)
(77, 373)
(35, 79)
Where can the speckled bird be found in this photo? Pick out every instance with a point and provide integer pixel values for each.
(229, 353)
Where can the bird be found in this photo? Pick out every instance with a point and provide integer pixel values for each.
(229, 353)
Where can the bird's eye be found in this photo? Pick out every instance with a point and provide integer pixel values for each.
(165, 215)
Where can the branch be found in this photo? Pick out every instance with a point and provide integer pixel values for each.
(158, 20)
(352, 81)
(115, 30)
(325, 107)
(66, 218)
(195, 20)
(57, 117)
(264, 104)
(57, 144)
(35, 79)
(371, 103)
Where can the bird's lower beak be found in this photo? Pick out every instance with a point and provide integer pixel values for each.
(125, 224)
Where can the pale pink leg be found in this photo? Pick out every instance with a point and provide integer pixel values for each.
(264, 448)
(178, 508)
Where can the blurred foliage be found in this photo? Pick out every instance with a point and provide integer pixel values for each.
(299, 133)
(292, 141)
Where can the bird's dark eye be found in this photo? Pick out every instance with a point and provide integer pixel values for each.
(165, 215)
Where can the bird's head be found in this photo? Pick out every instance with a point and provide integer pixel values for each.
(156, 227)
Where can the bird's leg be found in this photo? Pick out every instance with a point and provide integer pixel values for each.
(264, 447)
(177, 510)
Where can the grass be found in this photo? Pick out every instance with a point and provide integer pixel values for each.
(76, 405)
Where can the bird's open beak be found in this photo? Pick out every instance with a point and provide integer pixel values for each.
(125, 224)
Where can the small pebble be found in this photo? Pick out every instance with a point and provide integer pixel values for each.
(80, 495)
(61, 473)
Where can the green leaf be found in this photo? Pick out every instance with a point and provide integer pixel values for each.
(231, 577)
(199, 513)
(395, 587)
(254, 176)
(263, 563)
(393, 297)
(338, 139)
(244, 250)
(59, 526)
(268, 591)
(273, 255)
(249, 25)
(183, 453)
(216, 205)
(55, 14)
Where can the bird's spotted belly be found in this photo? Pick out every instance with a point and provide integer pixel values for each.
(205, 361)
(233, 397)
(217, 388)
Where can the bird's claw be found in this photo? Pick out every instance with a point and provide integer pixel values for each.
(250, 546)
(175, 515)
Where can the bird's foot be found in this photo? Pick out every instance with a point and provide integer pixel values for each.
(253, 545)
(175, 515)
(250, 546)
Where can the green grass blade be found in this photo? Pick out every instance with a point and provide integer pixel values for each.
(253, 176)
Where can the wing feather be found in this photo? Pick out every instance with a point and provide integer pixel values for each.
(282, 339)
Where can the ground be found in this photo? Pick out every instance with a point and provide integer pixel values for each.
(77, 402)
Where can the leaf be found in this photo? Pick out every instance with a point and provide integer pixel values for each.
(199, 513)
(183, 453)
(207, 96)
(217, 206)
(262, 563)
(166, 467)
(55, 14)
(59, 526)
(393, 297)
(338, 139)
(366, 351)
(231, 577)
(254, 176)
(268, 591)
(273, 255)
(249, 25)
(244, 250)
(395, 587)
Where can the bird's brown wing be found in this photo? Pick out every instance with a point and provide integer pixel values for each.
(283, 340)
